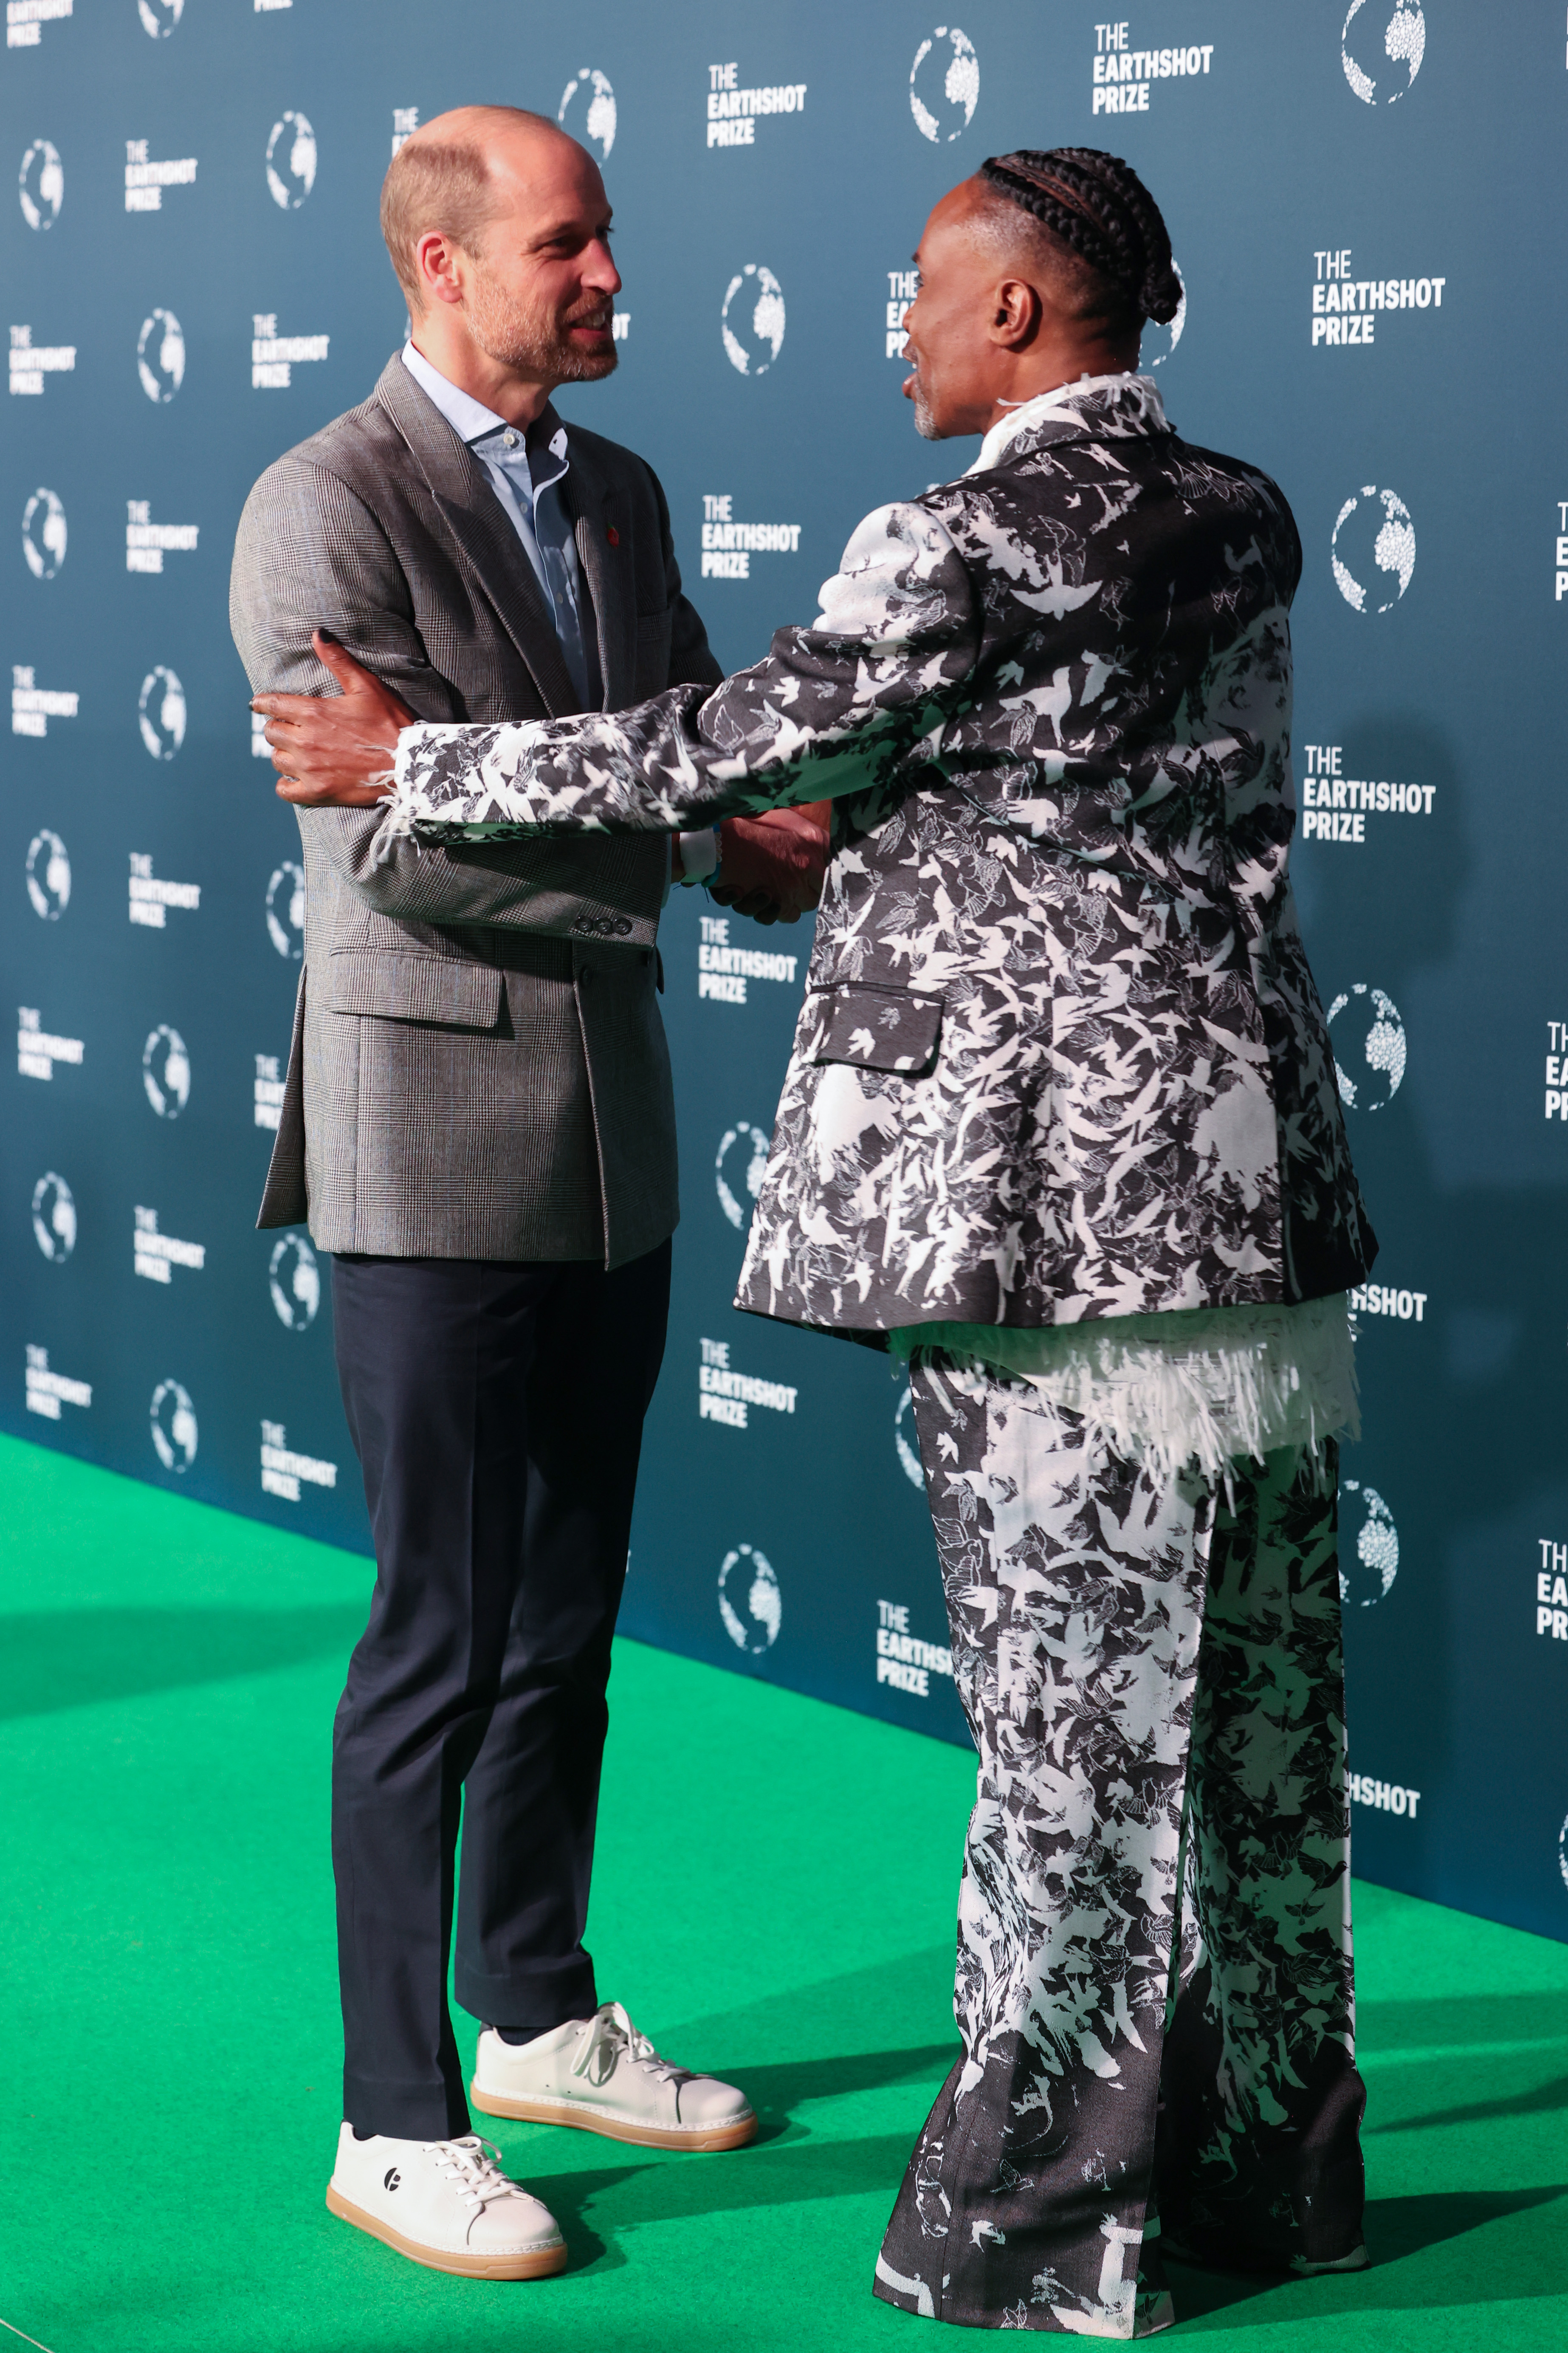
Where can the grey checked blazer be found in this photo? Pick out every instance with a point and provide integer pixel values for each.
(478, 1067)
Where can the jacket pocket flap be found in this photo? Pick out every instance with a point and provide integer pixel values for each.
(875, 1028)
(416, 988)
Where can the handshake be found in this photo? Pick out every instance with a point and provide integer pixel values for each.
(336, 752)
(770, 867)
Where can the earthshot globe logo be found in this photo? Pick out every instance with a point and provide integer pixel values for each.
(44, 534)
(159, 17)
(161, 356)
(174, 1419)
(41, 185)
(54, 1218)
(161, 713)
(590, 102)
(1367, 1569)
(752, 320)
(286, 911)
(748, 1176)
(291, 161)
(167, 1071)
(48, 876)
(749, 1600)
(1371, 1039)
(1382, 47)
(1374, 533)
(944, 84)
(296, 1282)
(906, 1444)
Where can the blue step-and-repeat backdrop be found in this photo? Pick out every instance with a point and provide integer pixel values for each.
(1365, 207)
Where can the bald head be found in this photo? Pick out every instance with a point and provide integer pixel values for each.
(499, 228)
(460, 172)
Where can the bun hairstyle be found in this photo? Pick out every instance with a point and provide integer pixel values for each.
(1098, 206)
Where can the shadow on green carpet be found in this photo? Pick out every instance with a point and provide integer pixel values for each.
(795, 2168)
(828, 2014)
(773, 2092)
(55, 1659)
(1518, 2263)
(1542, 2099)
(775, 1898)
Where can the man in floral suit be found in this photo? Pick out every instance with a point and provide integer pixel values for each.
(1061, 1127)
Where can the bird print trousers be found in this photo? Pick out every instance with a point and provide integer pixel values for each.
(1154, 1987)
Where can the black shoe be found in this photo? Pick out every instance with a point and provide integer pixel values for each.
(1220, 2256)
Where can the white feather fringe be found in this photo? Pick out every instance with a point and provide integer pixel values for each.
(396, 824)
(1199, 1385)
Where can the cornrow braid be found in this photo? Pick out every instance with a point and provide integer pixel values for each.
(1097, 204)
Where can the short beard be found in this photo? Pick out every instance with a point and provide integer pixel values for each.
(925, 422)
(535, 342)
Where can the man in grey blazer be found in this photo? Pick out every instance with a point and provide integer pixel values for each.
(479, 1126)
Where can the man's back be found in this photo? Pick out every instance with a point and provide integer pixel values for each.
(1072, 905)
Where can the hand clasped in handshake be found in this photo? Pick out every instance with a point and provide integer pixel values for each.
(337, 751)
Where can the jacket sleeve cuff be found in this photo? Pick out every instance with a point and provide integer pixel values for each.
(699, 854)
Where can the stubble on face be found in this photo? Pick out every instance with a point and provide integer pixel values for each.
(537, 341)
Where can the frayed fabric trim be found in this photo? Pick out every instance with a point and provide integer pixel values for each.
(1198, 1387)
(398, 820)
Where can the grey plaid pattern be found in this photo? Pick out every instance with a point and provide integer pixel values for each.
(478, 1067)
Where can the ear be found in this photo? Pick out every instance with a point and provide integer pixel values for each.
(435, 268)
(1016, 315)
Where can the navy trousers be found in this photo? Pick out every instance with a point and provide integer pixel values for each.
(497, 1412)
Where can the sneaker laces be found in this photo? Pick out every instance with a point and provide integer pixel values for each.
(471, 2165)
(610, 2038)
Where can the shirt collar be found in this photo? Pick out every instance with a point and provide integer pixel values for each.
(1132, 400)
(472, 422)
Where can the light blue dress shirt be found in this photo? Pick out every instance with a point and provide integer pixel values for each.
(528, 483)
(527, 480)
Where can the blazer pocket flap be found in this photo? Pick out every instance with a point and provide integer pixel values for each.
(416, 988)
(875, 1028)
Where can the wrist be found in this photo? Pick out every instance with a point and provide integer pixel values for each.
(695, 855)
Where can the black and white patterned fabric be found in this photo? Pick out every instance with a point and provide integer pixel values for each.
(1060, 1055)
(1154, 1981)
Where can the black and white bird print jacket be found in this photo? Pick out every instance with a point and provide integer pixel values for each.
(1060, 1054)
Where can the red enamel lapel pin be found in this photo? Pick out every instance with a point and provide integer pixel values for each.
(612, 534)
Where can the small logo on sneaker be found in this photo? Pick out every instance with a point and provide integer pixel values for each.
(392, 2179)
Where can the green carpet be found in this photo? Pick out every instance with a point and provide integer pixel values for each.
(774, 1899)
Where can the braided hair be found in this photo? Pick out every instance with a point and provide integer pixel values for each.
(1095, 204)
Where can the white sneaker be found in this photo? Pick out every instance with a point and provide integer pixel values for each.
(601, 2073)
(445, 2203)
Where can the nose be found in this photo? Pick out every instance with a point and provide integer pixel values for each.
(599, 270)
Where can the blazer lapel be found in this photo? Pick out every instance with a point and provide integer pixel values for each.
(598, 512)
(489, 547)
